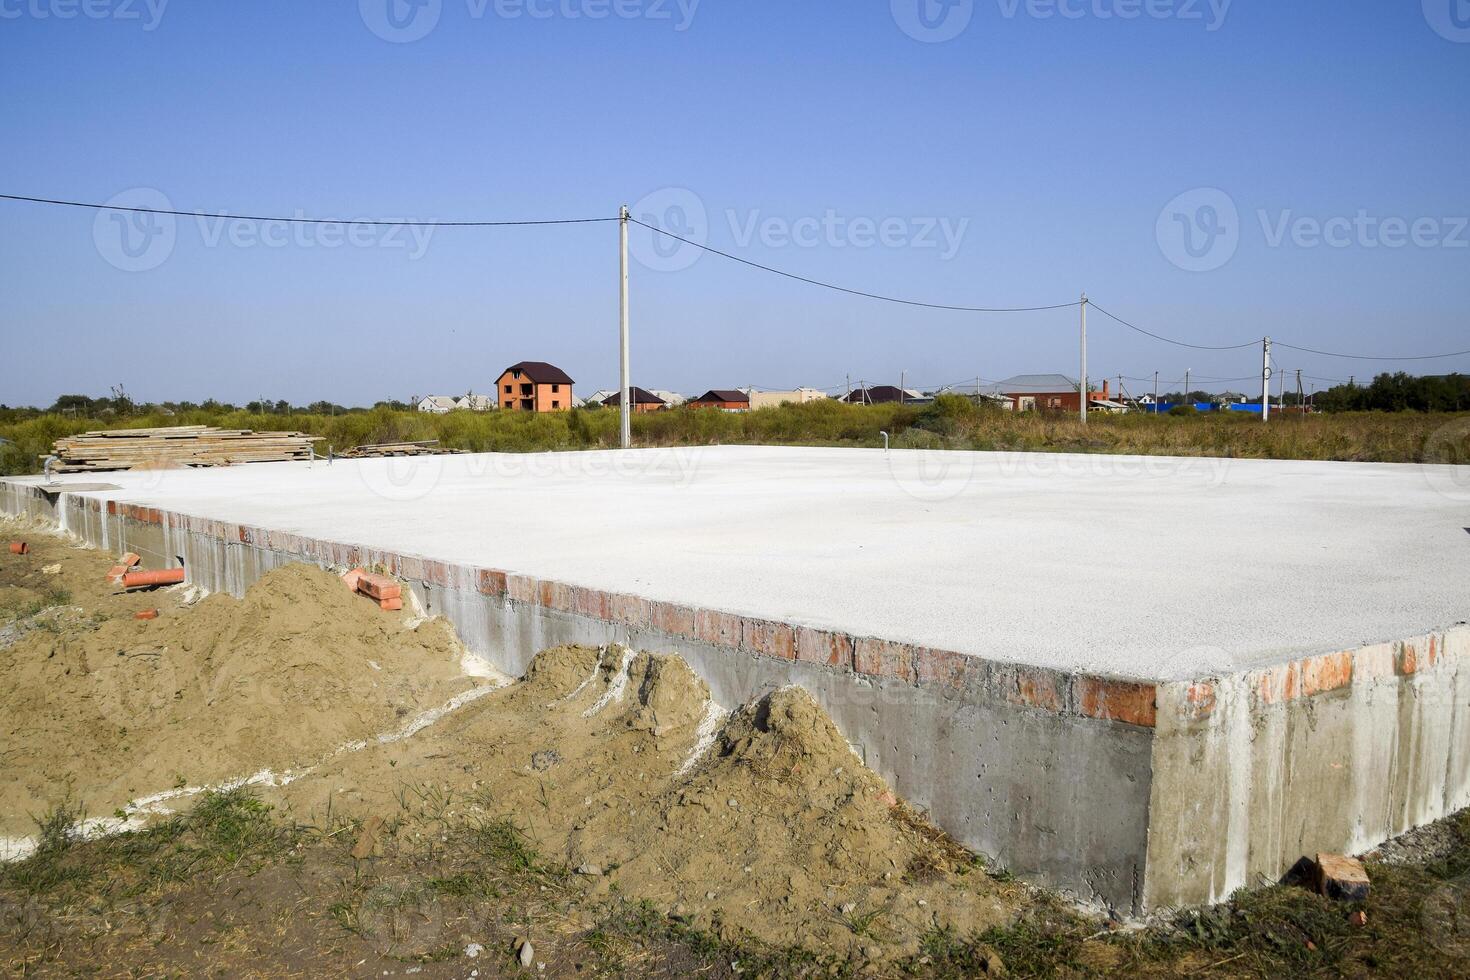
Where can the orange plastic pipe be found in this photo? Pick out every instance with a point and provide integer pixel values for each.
(167, 576)
(19, 548)
(146, 614)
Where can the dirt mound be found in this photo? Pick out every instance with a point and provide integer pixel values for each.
(112, 709)
(618, 764)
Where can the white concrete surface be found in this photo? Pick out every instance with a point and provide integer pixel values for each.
(1140, 567)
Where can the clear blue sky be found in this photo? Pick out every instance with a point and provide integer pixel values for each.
(1056, 142)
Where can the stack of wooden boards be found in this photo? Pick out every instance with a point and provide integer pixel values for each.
(180, 445)
(425, 447)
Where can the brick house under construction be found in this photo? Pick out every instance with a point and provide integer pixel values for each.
(534, 386)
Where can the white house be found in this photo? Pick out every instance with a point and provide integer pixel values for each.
(437, 404)
(475, 403)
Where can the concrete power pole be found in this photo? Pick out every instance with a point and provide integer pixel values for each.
(1082, 382)
(1266, 379)
(902, 379)
(1187, 400)
(1156, 392)
(625, 424)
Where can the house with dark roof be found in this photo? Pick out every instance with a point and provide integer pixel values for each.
(534, 386)
(728, 399)
(881, 395)
(641, 399)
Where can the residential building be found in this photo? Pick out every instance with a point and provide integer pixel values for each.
(770, 399)
(598, 398)
(671, 398)
(1050, 393)
(437, 404)
(534, 386)
(728, 399)
(475, 403)
(643, 400)
(880, 395)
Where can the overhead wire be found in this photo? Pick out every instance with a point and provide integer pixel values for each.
(301, 219)
(855, 292)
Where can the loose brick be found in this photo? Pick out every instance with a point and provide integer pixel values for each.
(816, 646)
(1124, 701)
(378, 586)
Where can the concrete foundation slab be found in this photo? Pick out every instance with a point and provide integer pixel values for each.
(1145, 680)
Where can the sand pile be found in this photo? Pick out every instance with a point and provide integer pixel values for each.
(619, 764)
(112, 709)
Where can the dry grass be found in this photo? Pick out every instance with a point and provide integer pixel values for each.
(950, 423)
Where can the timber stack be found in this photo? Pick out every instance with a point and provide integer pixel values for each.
(423, 447)
(176, 446)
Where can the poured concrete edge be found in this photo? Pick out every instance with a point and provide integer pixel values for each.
(1134, 795)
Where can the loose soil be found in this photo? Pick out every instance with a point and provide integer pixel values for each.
(101, 708)
(617, 763)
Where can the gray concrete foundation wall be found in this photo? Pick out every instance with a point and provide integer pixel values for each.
(1137, 796)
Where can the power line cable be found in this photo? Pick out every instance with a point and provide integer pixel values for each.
(856, 292)
(1169, 340)
(1370, 357)
(304, 220)
(727, 255)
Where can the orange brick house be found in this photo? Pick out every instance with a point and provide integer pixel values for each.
(727, 399)
(534, 386)
(642, 399)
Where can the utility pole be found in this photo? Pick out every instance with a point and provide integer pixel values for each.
(1156, 392)
(1187, 399)
(625, 424)
(1082, 382)
(1266, 379)
(902, 377)
(848, 397)
(1298, 388)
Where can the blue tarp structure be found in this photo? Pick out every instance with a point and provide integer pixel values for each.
(1162, 407)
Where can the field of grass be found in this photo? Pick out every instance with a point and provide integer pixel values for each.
(949, 423)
